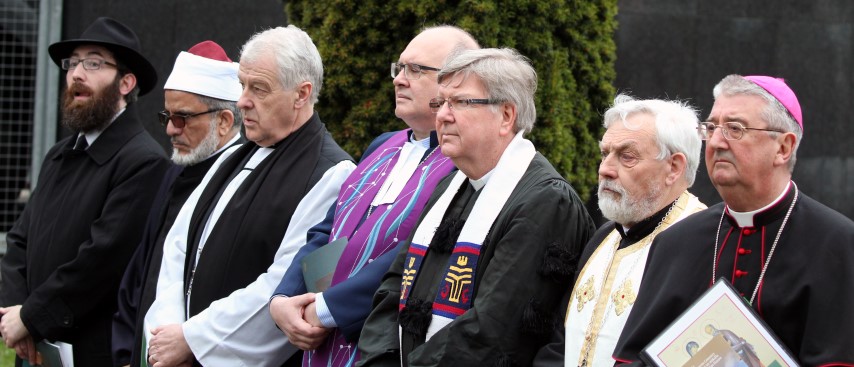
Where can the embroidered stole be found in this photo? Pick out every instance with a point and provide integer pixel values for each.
(381, 230)
(606, 288)
(454, 296)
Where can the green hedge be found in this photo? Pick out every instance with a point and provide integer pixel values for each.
(570, 44)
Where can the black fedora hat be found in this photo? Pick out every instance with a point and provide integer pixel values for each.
(117, 38)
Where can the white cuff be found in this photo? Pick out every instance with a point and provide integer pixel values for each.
(323, 312)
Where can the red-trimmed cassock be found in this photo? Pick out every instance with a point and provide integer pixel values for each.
(806, 296)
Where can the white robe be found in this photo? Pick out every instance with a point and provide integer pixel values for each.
(237, 330)
(605, 290)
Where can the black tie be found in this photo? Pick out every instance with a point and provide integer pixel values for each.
(81, 143)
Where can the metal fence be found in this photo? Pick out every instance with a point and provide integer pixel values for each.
(28, 99)
(19, 26)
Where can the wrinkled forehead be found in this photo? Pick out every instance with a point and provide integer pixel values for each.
(744, 108)
(638, 130)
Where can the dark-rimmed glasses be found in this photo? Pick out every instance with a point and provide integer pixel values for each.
(731, 130)
(179, 120)
(88, 63)
(411, 71)
(459, 103)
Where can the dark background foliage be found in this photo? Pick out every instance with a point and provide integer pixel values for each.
(570, 44)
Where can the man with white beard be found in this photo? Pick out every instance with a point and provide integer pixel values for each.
(650, 153)
(203, 120)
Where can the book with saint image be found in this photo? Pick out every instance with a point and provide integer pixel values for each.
(718, 330)
(319, 266)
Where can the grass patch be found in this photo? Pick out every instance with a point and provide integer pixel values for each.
(7, 356)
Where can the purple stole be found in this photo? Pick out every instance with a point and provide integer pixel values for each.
(383, 228)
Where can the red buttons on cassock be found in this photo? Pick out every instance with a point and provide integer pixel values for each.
(748, 231)
(739, 273)
(742, 251)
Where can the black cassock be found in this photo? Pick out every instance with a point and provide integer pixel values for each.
(806, 296)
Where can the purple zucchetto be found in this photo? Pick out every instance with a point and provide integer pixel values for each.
(781, 91)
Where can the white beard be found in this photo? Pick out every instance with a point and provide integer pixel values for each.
(204, 150)
(626, 210)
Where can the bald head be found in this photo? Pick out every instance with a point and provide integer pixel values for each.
(452, 37)
(428, 49)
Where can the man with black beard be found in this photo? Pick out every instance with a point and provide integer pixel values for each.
(69, 247)
(650, 154)
(203, 120)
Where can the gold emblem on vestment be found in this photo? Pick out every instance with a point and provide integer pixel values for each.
(457, 278)
(584, 293)
(407, 278)
(462, 260)
(624, 297)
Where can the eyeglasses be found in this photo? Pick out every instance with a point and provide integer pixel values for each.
(730, 130)
(179, 120)
(458, 103)
(88, 64)
(411, 71)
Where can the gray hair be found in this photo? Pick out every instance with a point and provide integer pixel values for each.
(675, 127)
(221, 104)
(507, 76)
(774, 113)
(296, 56)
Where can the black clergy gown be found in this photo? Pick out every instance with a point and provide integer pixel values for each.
(806, 297)
(526, 263)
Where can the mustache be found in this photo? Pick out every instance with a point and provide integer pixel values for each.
(176, 139)
(80, 88)
(611, 185)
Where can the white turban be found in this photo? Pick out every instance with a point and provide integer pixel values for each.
(205, 76)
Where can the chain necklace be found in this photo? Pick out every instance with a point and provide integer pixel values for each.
(588, 335)
(770, 253)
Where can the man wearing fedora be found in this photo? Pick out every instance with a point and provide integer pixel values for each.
(68, 249)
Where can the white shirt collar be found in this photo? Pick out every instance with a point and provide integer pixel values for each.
(480, 183)
(745, 219)
(423, 142)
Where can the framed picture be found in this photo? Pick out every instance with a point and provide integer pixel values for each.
(718, 330)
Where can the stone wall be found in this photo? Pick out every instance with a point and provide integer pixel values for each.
(682, 48)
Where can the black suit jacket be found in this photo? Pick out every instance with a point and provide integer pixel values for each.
(68, 249)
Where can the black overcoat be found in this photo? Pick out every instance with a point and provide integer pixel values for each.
(68, 249)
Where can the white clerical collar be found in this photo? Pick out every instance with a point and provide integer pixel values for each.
(93, 135)
(407, 163)
(480, 183)
(423, 142)
(745, 220)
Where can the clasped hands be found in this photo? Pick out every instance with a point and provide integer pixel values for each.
(297, 318)
(16, 335)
